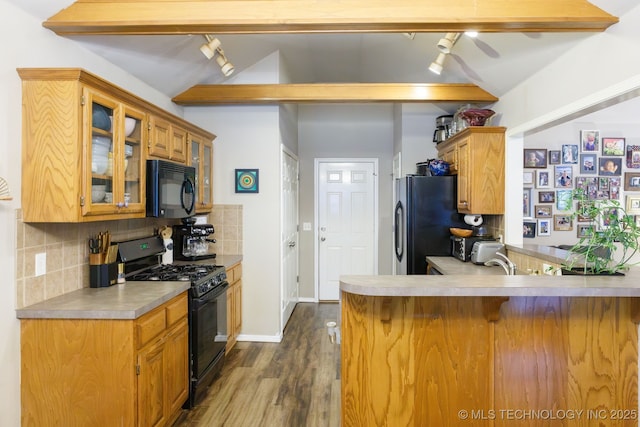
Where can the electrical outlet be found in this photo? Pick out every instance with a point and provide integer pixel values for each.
(41, 264)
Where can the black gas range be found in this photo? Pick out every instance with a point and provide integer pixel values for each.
(207, 304)
(203, 277)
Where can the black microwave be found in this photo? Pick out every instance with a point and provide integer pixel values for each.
(171, 189)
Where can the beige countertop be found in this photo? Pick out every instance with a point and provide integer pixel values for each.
(126, 301)
(494, 285)
(448, 265)
(467, 279)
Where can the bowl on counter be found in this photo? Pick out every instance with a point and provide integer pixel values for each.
(460, 232)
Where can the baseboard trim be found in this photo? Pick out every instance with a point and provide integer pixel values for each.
(260, 338)
(307, 300)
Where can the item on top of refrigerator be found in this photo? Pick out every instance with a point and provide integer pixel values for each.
(438, 167)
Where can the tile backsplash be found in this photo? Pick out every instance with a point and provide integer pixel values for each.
(67, 251)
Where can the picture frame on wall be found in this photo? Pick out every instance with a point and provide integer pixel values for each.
(613, 146)
(633, 156)
(546, 197)
(529, 229)
(247, 180)
(633, 205)
(569, 153)
(542, 179)
(535, 158)
(609, 166)
(631, 181)
(562, 223)
(564, 200)
(607, 216)
(563, 176)
(526, 203)
(554, 157)
(527, 178)
(544, 211)
(589, 140)
(544, 227)
(588, 163)
(584, 230)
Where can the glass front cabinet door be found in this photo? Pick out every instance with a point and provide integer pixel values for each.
(113, 150)
(202, 160)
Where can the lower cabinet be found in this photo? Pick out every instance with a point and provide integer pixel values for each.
(106, 372)
(234, 305)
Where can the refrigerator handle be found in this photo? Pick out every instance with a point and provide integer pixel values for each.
(399, 231)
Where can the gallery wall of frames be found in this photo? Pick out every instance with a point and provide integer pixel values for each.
(602, 160)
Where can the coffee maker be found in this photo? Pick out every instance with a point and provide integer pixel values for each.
(191, 240)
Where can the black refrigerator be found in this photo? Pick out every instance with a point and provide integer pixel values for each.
(424, 211)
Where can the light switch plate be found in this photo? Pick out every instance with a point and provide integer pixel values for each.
(306, 226)
(41, 263)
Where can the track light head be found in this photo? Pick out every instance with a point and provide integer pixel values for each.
(447, 42)
(226, 67)
(437, 65)
(209, 48)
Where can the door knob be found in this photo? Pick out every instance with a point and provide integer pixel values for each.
(292, 244)
(322, 239)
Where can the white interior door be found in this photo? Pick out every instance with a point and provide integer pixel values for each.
(347, 222)
(289, 242)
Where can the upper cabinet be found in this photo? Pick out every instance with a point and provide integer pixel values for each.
(201, 158)
(168, 140)
(477, 155)
(114, 151)
(85, 143)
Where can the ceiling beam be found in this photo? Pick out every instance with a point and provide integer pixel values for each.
(326, 16)
(333, 92)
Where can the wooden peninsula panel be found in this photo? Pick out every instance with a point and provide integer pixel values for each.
(423, 361)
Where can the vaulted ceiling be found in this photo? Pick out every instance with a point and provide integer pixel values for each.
(158, 41)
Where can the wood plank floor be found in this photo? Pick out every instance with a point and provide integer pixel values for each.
(293, 383)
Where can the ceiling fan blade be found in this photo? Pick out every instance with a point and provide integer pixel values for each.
(488, 50)
(465, 67)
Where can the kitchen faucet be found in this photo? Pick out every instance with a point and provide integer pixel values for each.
(507, 265)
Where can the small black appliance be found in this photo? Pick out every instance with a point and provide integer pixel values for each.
(191, 240)
(171, 189)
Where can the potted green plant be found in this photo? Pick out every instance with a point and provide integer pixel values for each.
(610, 239)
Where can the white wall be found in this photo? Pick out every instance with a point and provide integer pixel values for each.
(344, 131)
(601, 70)
(416, 135)
(250, 137)
(27, 44)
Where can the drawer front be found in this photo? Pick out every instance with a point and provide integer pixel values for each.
(177, 309)
(150, 325)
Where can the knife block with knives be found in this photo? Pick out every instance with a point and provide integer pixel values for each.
(103, 257)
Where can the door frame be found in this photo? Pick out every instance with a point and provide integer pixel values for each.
(286, 151)
(316, 213)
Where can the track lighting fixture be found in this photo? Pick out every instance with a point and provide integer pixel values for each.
(225, 66)
(210, 48)
(436, 66)
(446, 43)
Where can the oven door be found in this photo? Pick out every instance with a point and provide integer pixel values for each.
(208, 330)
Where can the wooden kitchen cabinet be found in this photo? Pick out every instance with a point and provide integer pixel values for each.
(477, 156)
(201, 157)
(168, 140)
(106, 372)
(85, 143)
(234, 305)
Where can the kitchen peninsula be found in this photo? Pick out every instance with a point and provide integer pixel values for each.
(490, 350)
